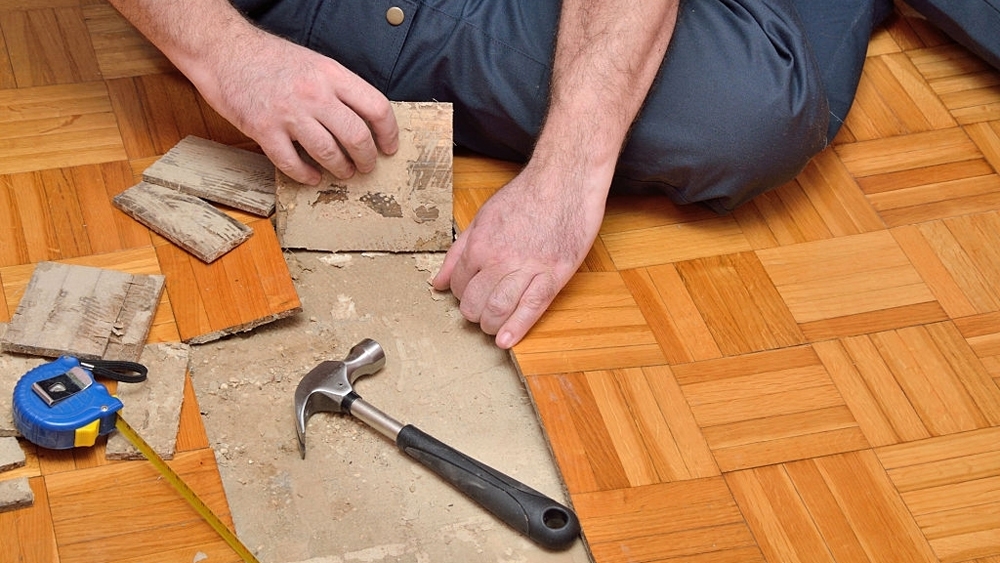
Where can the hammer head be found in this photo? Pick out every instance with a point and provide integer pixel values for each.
(328, 387)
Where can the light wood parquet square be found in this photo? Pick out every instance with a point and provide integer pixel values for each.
(811, 378)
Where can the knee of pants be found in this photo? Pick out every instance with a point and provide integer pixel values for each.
(729, 161)
(734, 113)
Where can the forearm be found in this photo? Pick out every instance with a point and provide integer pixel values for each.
(607, 55)
(193, 35)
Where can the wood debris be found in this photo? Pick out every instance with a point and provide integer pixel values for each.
(87, 312)
(183, 219)
(216, 172)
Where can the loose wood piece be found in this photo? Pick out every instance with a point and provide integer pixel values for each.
(87, 312)
(404, 205)
(185, 220)
(228, 175)
(153, 407)
(15, 493)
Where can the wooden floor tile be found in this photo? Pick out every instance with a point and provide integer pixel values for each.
(839, 508)
(167, 529)
(57, 126)
(673, 316)
(669, 243)
(924, 381)
(741, 307)
(767, 408)
(850, 285)
(49, 46)
(951, 485)
(28, 533)
(691, 522)
(121, 51)
(594, 324)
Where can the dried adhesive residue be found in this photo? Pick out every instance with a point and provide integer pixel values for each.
(335, 194)
(424, 213)
(384, 205)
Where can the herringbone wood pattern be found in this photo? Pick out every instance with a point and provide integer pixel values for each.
(812, 378)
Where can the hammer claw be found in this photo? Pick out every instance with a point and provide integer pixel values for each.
(327, 387)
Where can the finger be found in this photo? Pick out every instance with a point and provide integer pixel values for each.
(503, 301)
(323, 147)
(476, 295)
(285, 158)
(442, 280)
(534, 301)
(353, 137)
(376, 110)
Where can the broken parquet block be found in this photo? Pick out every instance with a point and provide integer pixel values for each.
(216, 172)
(404, 205)
(153, 407)
(184, 220)
(90, 313)
(11, 454)
(16, 493)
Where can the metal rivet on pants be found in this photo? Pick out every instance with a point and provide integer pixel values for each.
(394, 15)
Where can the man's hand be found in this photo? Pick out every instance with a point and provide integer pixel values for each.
(528, 239)
(522, 247)
(276, 92)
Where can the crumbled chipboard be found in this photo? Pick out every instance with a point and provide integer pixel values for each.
(216, 172)
(87, 312)
(11, 454)
(16, 493)
(153, 407)
(404, 205)
(183, 219)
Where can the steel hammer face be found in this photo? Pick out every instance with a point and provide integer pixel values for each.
(329, 386)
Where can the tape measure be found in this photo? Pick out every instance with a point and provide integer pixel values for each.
(59, 405)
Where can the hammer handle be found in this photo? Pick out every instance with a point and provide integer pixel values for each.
(543, 520)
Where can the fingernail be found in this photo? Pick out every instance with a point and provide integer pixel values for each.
(505, 340)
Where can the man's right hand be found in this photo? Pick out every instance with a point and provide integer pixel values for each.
(276, 92)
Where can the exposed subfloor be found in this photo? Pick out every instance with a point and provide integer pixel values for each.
(356, 497)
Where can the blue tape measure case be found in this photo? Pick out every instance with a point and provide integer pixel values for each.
(59, 405)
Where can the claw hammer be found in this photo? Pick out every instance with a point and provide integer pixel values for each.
(329, 388)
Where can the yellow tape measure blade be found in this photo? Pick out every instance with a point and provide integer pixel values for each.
(189, 495)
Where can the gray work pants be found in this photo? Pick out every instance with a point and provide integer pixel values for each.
(748, 92)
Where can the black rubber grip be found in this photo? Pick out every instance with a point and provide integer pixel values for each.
(541, 519)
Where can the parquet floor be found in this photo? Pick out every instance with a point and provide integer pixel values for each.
(812, 378)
